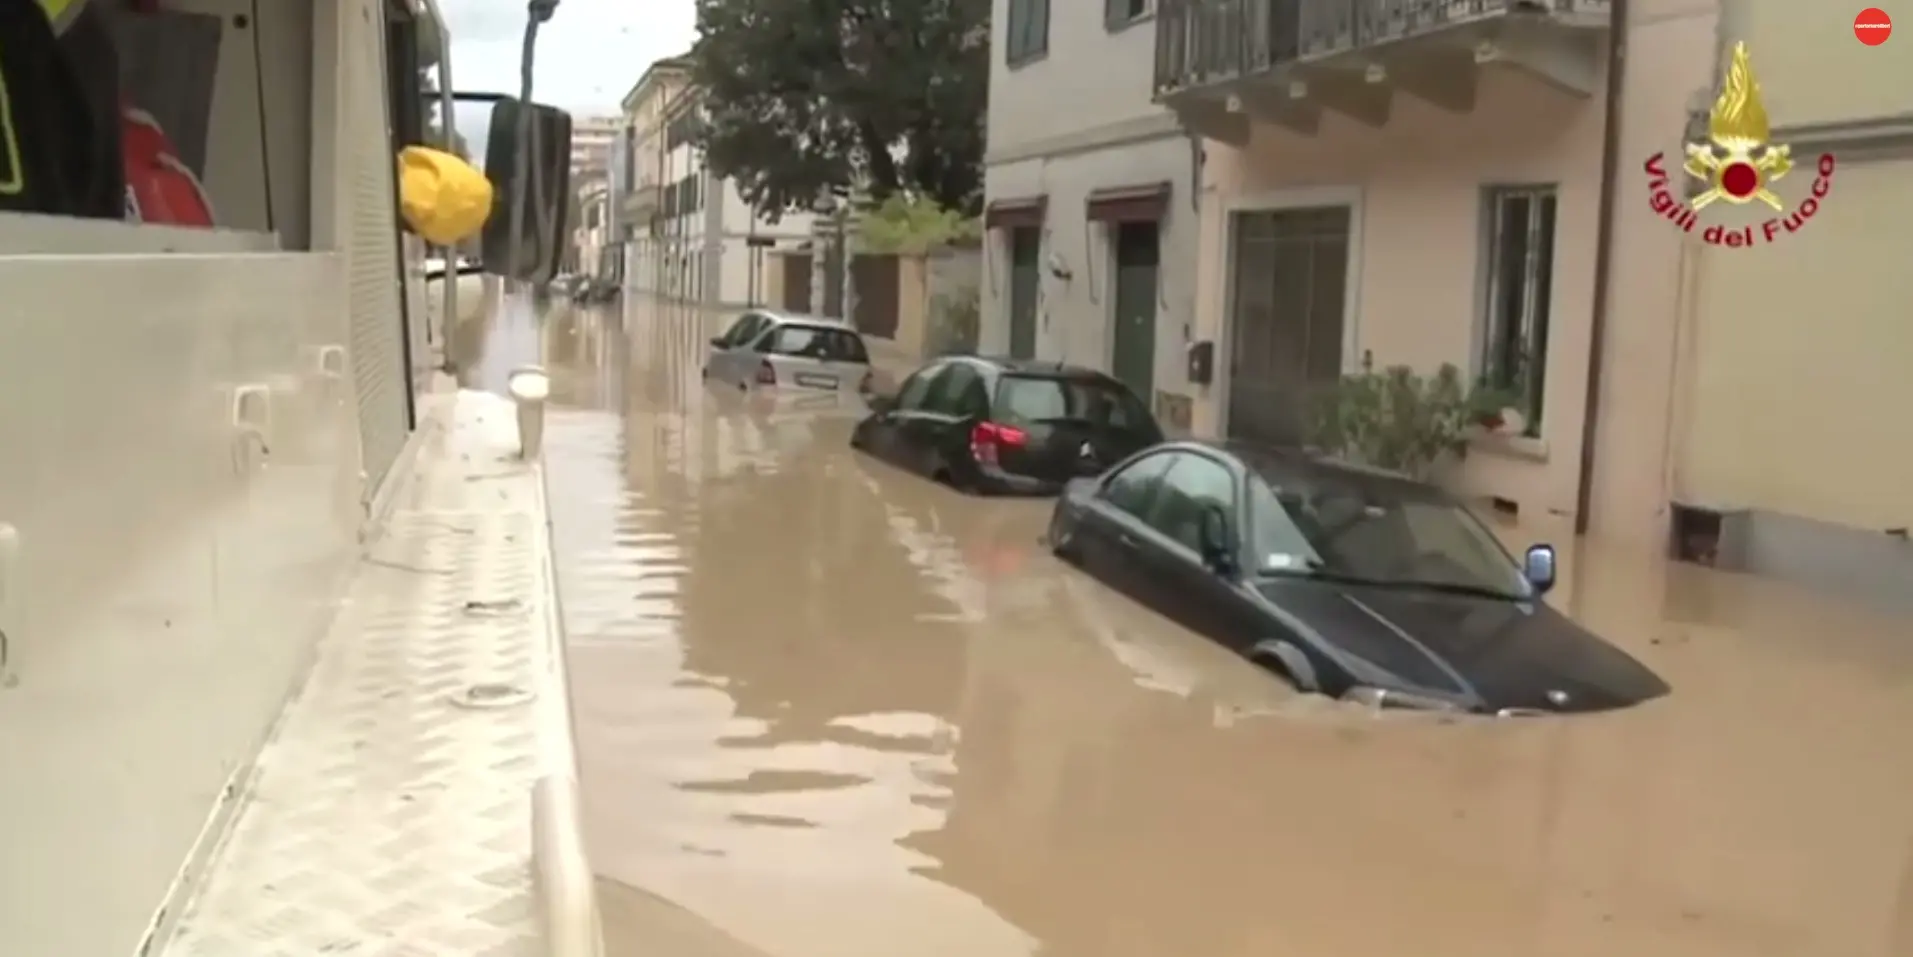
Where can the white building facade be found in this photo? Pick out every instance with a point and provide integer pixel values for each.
(1090, 197)
(592, 236)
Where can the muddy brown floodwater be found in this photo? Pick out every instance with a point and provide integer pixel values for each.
(828, 710)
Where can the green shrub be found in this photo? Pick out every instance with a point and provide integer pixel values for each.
(1399, 420)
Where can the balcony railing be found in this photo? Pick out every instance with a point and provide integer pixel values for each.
(1204, 42)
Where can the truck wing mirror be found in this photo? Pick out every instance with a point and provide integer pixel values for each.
(543, 160)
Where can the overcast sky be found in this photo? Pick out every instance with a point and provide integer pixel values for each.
(589, 55)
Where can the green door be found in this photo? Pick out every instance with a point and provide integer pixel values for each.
(1026, 244)
(1133, 350)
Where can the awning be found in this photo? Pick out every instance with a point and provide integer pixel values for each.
(1011, 213)
(1146, 203)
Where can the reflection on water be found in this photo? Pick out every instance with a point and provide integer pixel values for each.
(826, 709)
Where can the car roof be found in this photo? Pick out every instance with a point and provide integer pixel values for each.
(828, 322)
(1292, 465)
(1034, 367)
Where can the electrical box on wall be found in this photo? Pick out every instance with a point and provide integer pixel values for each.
(1202, 362)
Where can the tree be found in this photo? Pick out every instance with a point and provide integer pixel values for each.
(913, 226)
(848, 97)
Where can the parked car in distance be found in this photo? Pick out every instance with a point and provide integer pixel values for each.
(588, 291)
(764, 347)
(1358, 584)
(1006, 426)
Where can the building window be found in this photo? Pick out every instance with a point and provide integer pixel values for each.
(1118, 14)
(1028, 36)
(630, 148)
(1519, 260)
(685, 196)
(682, 130)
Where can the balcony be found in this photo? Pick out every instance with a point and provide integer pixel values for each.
(641, 203)
(1222, 63)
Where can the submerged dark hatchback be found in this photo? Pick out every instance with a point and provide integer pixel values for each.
(1006, 426)
(1357, 584)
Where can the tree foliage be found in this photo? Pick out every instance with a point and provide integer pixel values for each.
(866, 97)
(914, 225)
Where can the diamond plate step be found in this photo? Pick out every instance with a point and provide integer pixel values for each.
(390, 813)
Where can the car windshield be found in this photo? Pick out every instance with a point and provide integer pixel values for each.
(1375, 535)
(1030, 400)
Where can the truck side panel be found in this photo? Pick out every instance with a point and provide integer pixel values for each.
(193, 427)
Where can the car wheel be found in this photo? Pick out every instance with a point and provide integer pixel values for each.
(1288, 662)
(1060, 535)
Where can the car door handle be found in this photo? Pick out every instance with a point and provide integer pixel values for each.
(1126, 540)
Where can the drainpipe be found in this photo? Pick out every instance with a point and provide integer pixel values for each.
(1603, 260)
(1692, 276)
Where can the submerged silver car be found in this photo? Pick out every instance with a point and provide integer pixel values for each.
(768, 348)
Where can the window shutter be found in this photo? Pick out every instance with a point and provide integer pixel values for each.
(1115, 13)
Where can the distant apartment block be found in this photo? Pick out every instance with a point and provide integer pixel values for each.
(592, 141)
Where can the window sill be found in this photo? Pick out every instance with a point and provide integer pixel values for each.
(1027, 59)
(1520, 447)
(1118, 26)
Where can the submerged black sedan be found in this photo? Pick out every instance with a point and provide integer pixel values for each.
(1358, 584)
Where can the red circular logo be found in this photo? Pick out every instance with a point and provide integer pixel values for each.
(1873, 26)
(1739, 180)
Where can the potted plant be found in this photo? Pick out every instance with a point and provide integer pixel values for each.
(1405, 422)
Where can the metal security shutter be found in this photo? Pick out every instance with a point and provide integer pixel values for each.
(371, 247)
(419, 312)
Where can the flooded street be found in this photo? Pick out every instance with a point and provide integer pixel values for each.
(826, 709)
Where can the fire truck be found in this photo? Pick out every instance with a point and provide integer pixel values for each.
(202, 426)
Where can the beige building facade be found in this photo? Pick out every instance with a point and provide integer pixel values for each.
(687, 234)
(640, 162)
(1433, 192)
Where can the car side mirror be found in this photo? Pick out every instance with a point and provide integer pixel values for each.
(1538, 568)
(881, 404)
(717, 342)
(529, 142)
(1218, 541)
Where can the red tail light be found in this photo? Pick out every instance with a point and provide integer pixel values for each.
(765, 374)
(987, 437)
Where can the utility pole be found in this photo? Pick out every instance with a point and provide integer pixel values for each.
(849, 297)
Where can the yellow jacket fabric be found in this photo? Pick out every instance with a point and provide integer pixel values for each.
(60, 13)
(443, 198)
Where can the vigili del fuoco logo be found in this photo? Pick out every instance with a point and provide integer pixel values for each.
(1738, 163)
